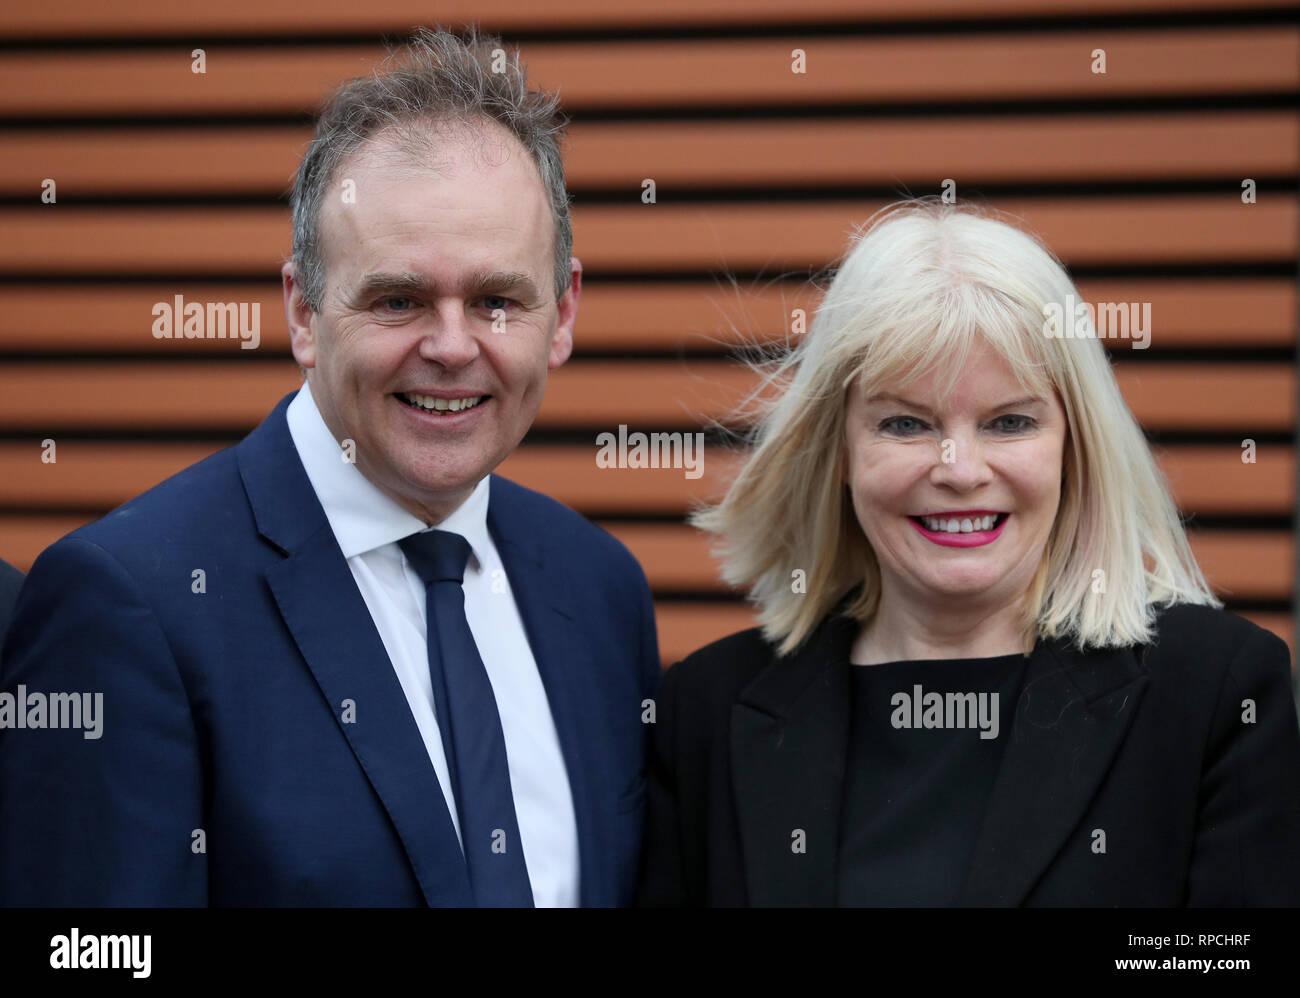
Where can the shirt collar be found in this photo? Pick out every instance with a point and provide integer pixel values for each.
(361, 516)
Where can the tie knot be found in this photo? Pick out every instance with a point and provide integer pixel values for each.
(437, 555)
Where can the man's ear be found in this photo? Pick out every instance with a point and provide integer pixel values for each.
(567, 316)
(298, 315)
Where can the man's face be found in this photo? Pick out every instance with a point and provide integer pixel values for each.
(439, 321)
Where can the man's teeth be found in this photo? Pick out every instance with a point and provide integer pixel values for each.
(965, 525)
(442, 405)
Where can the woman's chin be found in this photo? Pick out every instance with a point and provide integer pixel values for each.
(964, 586)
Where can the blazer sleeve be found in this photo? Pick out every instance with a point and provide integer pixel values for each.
(1247, 846)
(662, 883)
(651, 666)
(105, 820)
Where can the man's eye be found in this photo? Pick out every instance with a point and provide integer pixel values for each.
(494, 302)
(397, 304)
(904, 425)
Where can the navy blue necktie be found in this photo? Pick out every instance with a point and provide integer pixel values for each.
(470, 726)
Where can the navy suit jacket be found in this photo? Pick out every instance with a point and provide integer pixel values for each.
(230, 770)
(11, 580)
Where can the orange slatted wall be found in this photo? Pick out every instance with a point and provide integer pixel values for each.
(169, 182)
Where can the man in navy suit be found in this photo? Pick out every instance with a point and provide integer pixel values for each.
(342, 663)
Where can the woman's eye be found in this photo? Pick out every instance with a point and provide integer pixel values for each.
(1014, 423)
(904, 425)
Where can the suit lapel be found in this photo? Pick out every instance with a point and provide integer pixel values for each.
(324, 610)
(789, 738)
(551, 623)
(1071, 717)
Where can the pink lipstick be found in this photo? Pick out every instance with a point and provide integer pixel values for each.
(976, 538)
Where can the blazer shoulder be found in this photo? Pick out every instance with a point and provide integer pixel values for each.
(1197, 647)
(1208, 632)
(542, 516)
(192, 508)
(722, 668)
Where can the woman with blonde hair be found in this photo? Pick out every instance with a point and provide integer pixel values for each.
(989, 671)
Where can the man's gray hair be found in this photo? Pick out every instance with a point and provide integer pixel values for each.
(435, 78)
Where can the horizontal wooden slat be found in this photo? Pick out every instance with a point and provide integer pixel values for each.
(1238, 563)
(1243, 564)
(52, 397)
(1204, 480)
(1026, 148)
(30, 18)
(682, 627)
(1250, 397)
(775, 236)
(45, 397)
(1214, 480)
(782, 235)
(682, 72)
(89, 474)
(1029, 148)
(117, 318)
(688, 627)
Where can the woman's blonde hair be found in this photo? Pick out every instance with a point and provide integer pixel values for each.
(922, 282)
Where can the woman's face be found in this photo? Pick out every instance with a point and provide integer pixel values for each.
(985, 460)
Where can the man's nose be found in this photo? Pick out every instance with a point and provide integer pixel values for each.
(960, 462)
(449, 339)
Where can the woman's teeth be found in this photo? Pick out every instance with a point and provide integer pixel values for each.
(964, 525)
(431, 404)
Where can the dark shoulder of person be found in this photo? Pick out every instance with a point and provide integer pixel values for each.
(11, 580)
(716, 673)
(1195, 633)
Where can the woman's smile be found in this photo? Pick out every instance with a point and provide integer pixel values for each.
(962, 529)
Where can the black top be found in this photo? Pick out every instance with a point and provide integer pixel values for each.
(924, 748)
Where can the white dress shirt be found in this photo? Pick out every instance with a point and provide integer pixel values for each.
(367, 525)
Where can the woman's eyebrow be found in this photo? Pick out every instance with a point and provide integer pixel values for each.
(1015, 403)
(901, 401)
(1009, 404)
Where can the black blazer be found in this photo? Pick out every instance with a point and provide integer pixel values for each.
(1145, 743)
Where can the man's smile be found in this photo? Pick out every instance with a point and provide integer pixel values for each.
(440, 404)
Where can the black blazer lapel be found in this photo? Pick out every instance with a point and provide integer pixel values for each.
(1071, 717)
(323, 609)
(789, 739)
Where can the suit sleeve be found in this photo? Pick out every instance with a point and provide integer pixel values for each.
(651, 666)
(662, 883)
(106, 820)
(1247, 848)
